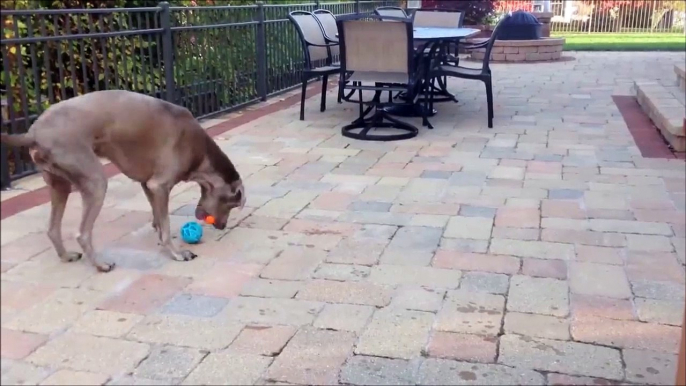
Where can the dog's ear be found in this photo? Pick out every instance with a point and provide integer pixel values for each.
(239, 191)
(204, 187)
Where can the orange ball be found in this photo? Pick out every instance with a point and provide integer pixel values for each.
(209, 219)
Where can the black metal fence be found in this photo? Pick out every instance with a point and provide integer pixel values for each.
(208, 59)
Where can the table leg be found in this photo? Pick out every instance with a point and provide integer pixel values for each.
(415, 109)
(440, 93)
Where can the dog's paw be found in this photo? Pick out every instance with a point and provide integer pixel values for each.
(104, 267)
(71, 257)
(186, 255)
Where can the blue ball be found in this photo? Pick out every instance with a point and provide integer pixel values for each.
(191, 232)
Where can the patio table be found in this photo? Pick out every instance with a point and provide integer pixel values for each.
(430, 36)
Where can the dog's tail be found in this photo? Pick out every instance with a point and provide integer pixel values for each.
(17, 139)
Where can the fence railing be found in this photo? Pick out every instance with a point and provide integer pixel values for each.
(210, 59)
(608, 16)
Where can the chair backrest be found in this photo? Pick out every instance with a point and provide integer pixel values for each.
(372, 44)
(391, 12)
(328, 23)
(492, 39)
(310, 32)
(437, 18)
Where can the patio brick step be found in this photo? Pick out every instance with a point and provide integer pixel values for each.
(666, 108)
(680, 71)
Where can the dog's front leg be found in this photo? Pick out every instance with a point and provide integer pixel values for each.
(160, 199)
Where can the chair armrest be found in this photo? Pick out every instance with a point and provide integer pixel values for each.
(330, 39)
(473, 46)
(322, 45)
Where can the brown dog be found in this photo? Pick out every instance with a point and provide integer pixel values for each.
(151, 141)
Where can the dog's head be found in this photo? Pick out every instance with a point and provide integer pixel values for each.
(218, 199)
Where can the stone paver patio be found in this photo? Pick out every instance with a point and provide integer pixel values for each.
(543, 251)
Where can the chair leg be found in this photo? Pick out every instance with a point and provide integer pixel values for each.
(489, 101)
(361, 104)
(340, 92)
(427, 108)
(302, 99)
(431, 94)
(325, 81)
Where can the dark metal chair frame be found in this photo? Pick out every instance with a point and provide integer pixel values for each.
(310, 72)
(436, 69)
(377, 119)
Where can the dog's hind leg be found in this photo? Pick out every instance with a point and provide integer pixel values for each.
(148, 195)
(92, 184)
(59, 193)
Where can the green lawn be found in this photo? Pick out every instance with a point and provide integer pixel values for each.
(623, 42)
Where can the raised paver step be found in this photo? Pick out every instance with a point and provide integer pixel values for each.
(680, 71)
(666, 108)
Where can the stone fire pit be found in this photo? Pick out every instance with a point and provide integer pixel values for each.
(525, 38)
(544, 49)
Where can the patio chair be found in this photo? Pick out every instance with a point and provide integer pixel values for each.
(378, 56)
(390, 12)
(439, 69)
(438, 18)
(317, 54)
(448, 52)
(328, 23)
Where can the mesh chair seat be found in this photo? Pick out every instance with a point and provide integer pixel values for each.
(379, 77)
(390, 12)
(327, 20)
(465, 71)
(437, 18)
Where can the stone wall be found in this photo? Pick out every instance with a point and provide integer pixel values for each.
(680, 71)
(665, 106)
(547, 49)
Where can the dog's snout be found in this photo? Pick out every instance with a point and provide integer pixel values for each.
(220, 225)
(200, 213)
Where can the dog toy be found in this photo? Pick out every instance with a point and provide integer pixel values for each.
(191, 232)
(209, 219)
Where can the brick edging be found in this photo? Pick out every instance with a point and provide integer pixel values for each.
(40, 196)
(646, 136)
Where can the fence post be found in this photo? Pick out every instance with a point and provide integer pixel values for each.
(590, 18)
(4, 168)
(4, 155)
(357, 7)
(316, 4)
(261, 47)
(168, 52)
